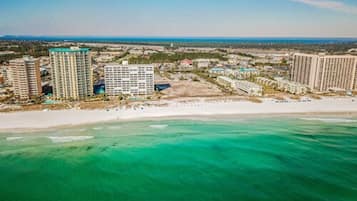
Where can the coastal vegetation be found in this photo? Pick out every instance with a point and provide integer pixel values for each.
(170, 58)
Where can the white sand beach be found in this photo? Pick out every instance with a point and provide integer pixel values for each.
(48, 119)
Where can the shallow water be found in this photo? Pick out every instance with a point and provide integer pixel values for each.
(227, 159)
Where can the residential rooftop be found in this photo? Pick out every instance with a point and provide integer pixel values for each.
(242, 69)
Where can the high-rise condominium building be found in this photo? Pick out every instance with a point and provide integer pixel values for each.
(26, 77)
(129, 79)
(324, 72)
(71, 73)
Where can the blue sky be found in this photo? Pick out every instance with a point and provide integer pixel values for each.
(229, 18)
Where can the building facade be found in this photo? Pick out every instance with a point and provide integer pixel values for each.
(291, 87)
(244, 73)
(202, 63)
(72, 75)
(325, 72)
(241, 73)
(128, 79)
(266, 82)
(250, 88)
(281, 84)
(226, 81)
(26, 77)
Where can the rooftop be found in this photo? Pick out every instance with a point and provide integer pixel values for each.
(24, 58)
(71, 49)
(217, 69)
(116, 65)
(247, 69)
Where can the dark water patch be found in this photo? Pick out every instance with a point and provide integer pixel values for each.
(88, 148)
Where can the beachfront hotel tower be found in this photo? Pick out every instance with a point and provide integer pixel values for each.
(322, 72)
(71, 73)
(26, 77)
(128, 79)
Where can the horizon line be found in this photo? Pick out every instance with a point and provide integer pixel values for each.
(179, 37)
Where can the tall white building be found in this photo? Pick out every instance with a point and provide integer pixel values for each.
(71, 73)
(26, 77)
(324, 72)
(128, 79)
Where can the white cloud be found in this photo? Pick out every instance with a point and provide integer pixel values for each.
(329, 4)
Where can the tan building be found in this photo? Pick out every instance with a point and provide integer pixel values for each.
(325, 72)
(71, 73)
(26, 77)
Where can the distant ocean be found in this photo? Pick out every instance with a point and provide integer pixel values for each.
(184, 40)
(256, 159)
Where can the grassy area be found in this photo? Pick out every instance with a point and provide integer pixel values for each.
(170, 58)
(211, 80)
(314, 96)
(35, 49)
(268, 90)
(246, 55)
(295, 97)
(124, 56)
(254, 100)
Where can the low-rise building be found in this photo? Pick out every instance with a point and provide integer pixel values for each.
(250, 88)
(186, 64)
(202, 63)
(104, 58)
(244, 73)
(136, 51)
(241, 73)
(166, 66)
(291, 87)
(216, 71)
(268, 68)
(283, 85)
(226, 81)
(266, 82)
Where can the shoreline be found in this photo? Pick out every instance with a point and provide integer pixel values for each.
(44, 120)
(312, 115)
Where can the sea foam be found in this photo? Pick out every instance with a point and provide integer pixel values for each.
(14, 138)
(331, 120)
(114, 127)
(159, 126)
(65, 139)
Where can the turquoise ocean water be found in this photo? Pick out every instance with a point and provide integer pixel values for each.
(228, 159)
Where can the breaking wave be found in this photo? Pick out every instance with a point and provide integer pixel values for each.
(330, 120)
(14, 138)
(114, 127)
(159, 126)
(65, 139)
